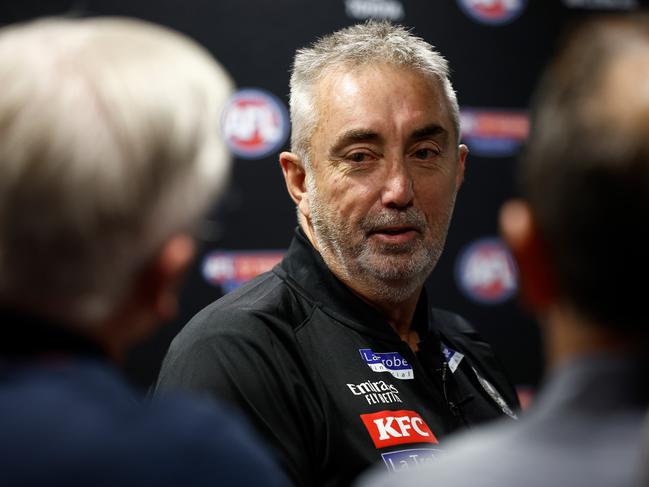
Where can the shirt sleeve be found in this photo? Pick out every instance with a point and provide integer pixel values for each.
(244, 363)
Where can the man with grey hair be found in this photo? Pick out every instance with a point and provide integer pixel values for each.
(335, 354)
(580, 238)
(109, 152)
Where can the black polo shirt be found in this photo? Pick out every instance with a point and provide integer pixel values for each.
(327, 381)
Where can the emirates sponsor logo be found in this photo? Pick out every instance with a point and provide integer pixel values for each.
(376, 392)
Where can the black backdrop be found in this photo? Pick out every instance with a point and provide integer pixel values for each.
(496, 49)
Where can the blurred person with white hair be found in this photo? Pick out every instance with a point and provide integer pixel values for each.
(109, 153)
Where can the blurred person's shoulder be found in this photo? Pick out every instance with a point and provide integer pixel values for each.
(467, 459)
(583, 430)
(82, 424)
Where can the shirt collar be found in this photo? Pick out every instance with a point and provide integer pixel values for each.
(28, 337)
(597, 382)
(304, 268)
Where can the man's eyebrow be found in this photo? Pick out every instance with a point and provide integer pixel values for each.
(353, 136)
(428, 131)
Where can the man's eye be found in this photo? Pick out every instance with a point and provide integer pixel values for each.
(425, 153)
(358, 157)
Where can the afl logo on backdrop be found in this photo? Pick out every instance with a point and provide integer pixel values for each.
(255, 123)
(486, 272)
(494, 12)
(230, 269)
(374, 9)
(494, 133)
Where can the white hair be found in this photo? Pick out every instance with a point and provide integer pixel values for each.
(359, 45)
(109, 145)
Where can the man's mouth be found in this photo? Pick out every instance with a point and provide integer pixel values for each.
(394, 230)
(395, 234)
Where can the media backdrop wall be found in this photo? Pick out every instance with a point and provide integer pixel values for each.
(496, 49)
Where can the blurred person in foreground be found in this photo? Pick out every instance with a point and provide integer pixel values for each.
(336, 355)
(109, 151)
(580, 238)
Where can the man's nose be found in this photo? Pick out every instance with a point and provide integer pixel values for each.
(398, 188)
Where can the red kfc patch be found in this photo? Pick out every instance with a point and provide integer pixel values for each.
(388, 428)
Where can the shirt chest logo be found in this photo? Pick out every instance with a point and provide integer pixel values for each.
(391, 362)
(376, 392)
(452, 357)
(389, 428)
(399, 460)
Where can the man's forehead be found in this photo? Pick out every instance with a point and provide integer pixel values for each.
(343, 90)
(371, 73)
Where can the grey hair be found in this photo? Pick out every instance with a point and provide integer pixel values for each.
(585, 170)
(373, 42)
(109, 145)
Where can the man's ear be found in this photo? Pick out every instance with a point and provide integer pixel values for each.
(295, 178)
(462, 153)
(538, 286)
(152, 300)
(160, 282)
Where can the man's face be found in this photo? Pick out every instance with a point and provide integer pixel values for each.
(385, 172)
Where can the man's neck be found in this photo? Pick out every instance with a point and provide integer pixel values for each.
(398, 314)
(568, 336)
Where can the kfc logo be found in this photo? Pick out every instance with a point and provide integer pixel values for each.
(389, 428)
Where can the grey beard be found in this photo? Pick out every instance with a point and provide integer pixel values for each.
(391, 282)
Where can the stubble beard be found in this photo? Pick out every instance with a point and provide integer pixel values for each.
(390, 273)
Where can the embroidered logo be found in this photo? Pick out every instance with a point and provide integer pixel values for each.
(391, 362)
(388, 428)
(452, 357)
(376, 392)
(399, 460)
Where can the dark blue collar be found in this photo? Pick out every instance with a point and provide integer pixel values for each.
(28, 337)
